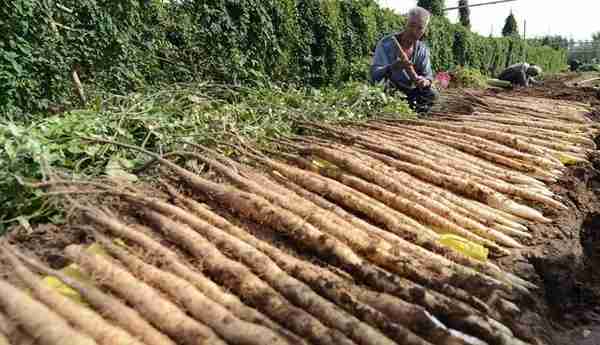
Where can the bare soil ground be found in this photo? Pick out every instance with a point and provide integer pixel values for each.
(562, 258)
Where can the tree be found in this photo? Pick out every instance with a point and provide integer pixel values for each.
(436, 7)
(464, 13)
(596, 36)
(510, 26)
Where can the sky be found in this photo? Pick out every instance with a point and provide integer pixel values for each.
(576, 19)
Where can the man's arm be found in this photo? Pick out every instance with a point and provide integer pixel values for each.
(380, 68)
(423, 63)
(534, 81)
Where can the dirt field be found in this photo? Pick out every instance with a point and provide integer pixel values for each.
(561, 258)
(564, 256)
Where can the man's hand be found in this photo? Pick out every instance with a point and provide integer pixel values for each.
(423, 83)
(399, 65)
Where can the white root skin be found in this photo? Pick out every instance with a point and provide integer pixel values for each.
(108, 306)
(173, 263)
(229, 327)
(4, 339)
(37, 320)
(165, 315)
(85, 319)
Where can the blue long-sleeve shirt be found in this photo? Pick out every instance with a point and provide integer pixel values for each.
(386, 53)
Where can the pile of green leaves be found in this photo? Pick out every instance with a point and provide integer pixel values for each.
(159, 119)
(468, 78)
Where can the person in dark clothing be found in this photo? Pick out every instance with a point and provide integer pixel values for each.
(387, 65)
(521, 74)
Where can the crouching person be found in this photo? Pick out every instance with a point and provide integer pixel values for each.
(521, 74)
(389, 66)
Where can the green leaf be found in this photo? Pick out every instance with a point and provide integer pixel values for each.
(115, 169)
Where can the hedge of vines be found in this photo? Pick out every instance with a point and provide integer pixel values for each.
(124, 45)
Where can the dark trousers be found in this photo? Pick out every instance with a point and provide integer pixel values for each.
(419, 100)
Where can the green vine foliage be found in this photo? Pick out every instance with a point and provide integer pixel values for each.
(436, 7)
(128, 45)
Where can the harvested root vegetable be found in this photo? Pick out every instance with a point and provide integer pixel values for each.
(481, 213)
(84, 319)
(389, 191)
(13, 334)
(173, 263)
(375, 210)
(538, 133)
(467, 208)
(107, 305)
(459, 161)
(523, 193)
(534, 123)
(478, 155)
(239, 278)
(291, 190)
(40, 322)
(537, 166)
(296, 291)
(468, 318)
(260, 210)
(378, 251)
(382, 214)
(472, 190)
(229, 327)
(498, 185)
(165, 315)
(444, 162)
(336, 288)
(473, 133)
(443, 252)
(503, 217)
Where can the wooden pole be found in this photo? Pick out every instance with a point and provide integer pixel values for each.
(407, 64)
(78, 86)
(524, 35)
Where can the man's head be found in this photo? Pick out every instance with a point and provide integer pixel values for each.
(534, 71)
(418, 19)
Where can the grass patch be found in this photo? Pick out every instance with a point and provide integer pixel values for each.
(157, 119)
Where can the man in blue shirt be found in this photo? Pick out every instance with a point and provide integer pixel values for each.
(388, 66)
